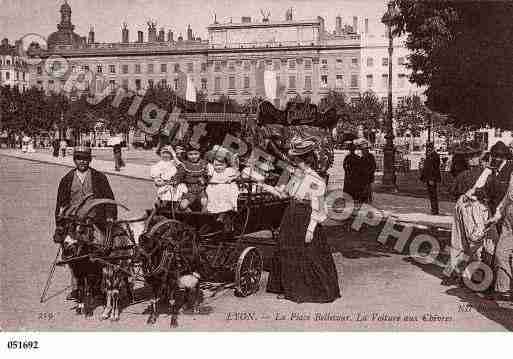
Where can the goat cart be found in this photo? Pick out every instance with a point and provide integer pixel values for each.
(228, 250)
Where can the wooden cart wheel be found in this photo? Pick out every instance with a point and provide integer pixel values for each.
(248, 272)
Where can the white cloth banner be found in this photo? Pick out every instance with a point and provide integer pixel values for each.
(270, 84)
(190, 92)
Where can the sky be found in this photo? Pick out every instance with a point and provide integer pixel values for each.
(20, 17)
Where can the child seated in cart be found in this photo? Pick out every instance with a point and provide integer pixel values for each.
(222, 191)
(166, 176)
(194, 174)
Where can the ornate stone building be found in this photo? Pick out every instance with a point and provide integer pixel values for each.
(14, 70)
(307, 59)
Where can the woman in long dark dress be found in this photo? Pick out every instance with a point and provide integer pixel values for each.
(303, 269)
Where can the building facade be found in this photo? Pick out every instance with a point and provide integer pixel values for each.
(307, 59)
(14, 70)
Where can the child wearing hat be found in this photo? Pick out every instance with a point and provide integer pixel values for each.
(194, 174)
(222, 191)
(166, 176)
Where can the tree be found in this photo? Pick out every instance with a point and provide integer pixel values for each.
(410, 114)
(366, 111)
(462, 50)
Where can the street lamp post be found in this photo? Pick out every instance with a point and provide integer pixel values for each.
(389, 179)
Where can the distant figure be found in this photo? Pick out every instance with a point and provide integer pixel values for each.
(63, 146)
(118, 160)
(369, 167)
(431, 176)
(55, 146)
(354, 174)
(459, 164)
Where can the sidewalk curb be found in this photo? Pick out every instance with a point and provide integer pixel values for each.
(110, 172)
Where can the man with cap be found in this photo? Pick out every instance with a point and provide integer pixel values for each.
(431, 176)
(79, 183)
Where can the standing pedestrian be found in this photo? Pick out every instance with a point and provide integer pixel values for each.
(118, 160)
(369, 167)
(431, 176)
(303, 269)
(354, 176)
(63, 147)
(55, 146)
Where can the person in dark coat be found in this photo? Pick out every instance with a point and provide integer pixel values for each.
(431, 176)
(118, 160)
(79, 183)
(459, 164)
(369, 167)
(56, 147)
(303, 269)
(354, 175)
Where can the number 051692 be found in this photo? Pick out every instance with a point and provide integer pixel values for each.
(23, 345)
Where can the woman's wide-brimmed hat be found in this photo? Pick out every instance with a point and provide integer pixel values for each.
(190, 147)
(361, 143)
(301, 146)
(500, 150)
(166, 149)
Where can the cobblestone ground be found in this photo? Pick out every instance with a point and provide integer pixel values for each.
(378, 284)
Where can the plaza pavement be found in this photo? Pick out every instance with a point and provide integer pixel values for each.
(404, 209)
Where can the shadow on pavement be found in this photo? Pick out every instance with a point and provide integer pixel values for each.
(501, 314)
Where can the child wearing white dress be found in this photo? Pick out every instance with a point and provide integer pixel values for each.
(165, 175)
(222, 191)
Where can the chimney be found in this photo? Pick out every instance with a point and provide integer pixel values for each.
(162, 35)
(124, 34)
(5, 42)
(170, 36)
(140, 37)
(338, 24)
(321, 22)
(366, 25)
(180, 37)
(245, 19)
(189, 33)
(152, 32)
(355, 24)
(90, 40)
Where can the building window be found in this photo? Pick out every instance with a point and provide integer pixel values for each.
(112, 69)
(217, 84)
(86, 68)
(39, 70)
(354, 61)
(339, 81)
(231, 82)
(384, 80)
(124, 69)
(203, 84)
(23, 76)
(370, 81)
(163, 68)
(177, 68)
(339, 63)
(99, 69)
(246, 82)
(247, 65)
(137, 68)
(8, 76)
(203, 67)
(17, 76)
(400, 61)
(217, 66)
(401, 80)
(40, 84)
(125, 84)
(151, 83)
(308, 64)
(324, 81)
(370, 61)
(292, 64)
(190, 67)
(308, 83)
(276, 65)
(498, 132)
(112, 84)
(354, 80)
(150, 68)
(8, 62)
(324, 64)
(384, 61)
(163, 83)
(292, 82)
(231, 66)
(137, 84)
